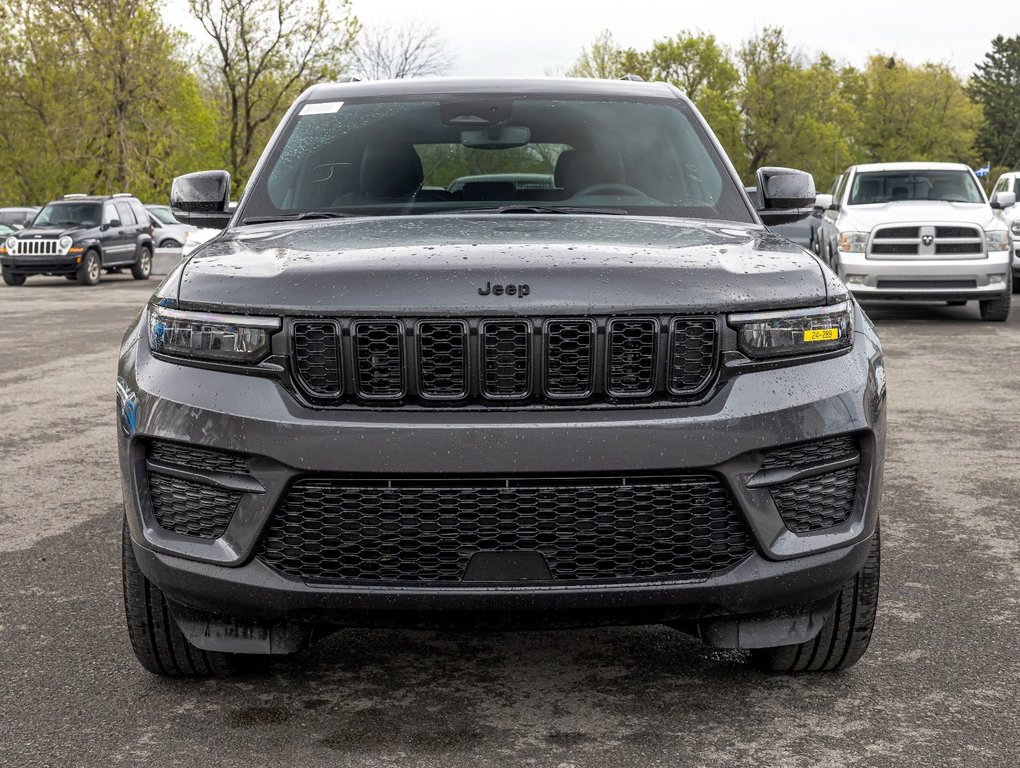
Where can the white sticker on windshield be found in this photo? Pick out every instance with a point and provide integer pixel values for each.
(321, 108)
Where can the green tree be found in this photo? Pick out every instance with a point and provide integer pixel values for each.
(263, 53)
(996, 87)
(603, 60)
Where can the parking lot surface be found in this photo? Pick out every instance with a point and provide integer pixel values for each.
(940, 685)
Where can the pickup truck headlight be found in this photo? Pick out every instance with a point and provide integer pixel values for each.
(853, 242)
(204, 336)
(764, 335)
(1015, 228)
(997, 240)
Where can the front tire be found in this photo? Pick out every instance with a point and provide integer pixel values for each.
(159, 645)
(847, 631)
(90, 270)
(12, 279)
(997, 310)
(142, 268)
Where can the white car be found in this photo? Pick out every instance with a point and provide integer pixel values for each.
(195, 238)
(1010, 182)
(919, 231)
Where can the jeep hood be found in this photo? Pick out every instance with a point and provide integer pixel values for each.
(438, 264)
(49, 233)
(864, 218)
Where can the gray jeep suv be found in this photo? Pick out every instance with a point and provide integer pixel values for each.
(392, 393)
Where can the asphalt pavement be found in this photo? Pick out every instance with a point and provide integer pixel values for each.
(939, 687)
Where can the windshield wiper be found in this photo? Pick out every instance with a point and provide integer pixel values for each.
(540, 209)
(297, 217)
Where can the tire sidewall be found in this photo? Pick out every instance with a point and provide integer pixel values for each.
(85, 276)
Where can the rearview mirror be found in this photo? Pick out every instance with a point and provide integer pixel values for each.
(1001, 200)
(202, 199)
(784, 195)
(496, 137)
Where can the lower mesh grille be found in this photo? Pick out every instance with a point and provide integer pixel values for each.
(195, 457)
(193, 509)
(816, 451)
(817, 502)
(588, 529)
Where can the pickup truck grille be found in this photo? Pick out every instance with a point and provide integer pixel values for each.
(503, 361)
(427, 530)
(923, 242)
(32, 247)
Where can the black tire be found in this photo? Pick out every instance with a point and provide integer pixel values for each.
(71, 278)
(142, 268)
(157, 642)
(956, 303)
(12, 279)
(90, 270)
(997, 310)
(1016, 284)
(847, 631)
(170, 244)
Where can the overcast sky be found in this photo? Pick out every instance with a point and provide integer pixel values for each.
(497, 37)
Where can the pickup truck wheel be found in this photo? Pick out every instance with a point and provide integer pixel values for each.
(847, 631)
(157, 642)
(12, 279)
(997, 310)
(142, 268)
(90, 270)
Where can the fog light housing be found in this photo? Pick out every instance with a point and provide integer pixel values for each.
(855, 279)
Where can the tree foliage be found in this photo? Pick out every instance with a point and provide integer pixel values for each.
(996, 87)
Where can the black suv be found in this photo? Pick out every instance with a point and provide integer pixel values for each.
(78, 237)
(403, 388)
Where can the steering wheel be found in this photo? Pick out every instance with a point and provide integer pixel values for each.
(609, 188)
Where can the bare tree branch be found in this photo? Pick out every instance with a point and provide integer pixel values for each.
(411, 49)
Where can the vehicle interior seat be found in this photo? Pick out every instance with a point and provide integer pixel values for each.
(388, 172)
(488, 190)
(578, 169)
(868, 190)
(900, 193)
(943, 189)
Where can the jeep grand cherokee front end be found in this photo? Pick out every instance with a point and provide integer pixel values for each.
(390, 396)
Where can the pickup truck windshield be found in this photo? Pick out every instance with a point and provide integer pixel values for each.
(63, 215)
(894, 186)
(508, 154)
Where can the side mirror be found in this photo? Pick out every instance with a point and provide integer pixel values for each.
(112, 223)
(1003, 200)
(823, 202)
(784, 195)
(202, 199)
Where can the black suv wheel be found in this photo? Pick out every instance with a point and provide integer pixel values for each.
(12, 279)
(142, 268)
(90, 270)
(847, 631)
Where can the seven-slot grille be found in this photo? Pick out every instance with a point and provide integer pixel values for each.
(927, 241)
(32, 247)
(427, 530)
(503, 361)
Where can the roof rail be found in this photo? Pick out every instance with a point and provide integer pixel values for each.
(122, 194)
(74, 196)
(633, 78)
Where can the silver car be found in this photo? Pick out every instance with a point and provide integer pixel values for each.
(167, 232)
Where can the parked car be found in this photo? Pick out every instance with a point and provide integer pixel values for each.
(920, 232)
(623, 402)
(1010, 182)
(6, 230)
(18, 218)
(79, 237)
(167, 232)
(195, 238)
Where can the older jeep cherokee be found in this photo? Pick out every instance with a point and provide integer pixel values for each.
(404, 387)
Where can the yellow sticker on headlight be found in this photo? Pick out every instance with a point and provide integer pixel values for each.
(821, 334)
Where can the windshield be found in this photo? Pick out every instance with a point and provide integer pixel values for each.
(893, 186)
(163, 214)
(65, 215)
(448, 154)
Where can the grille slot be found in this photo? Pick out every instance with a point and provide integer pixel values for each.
(632, 363)
(195, 457)
(317, 357)
(948, 248)
(41, 247)
(442, 359)
(692, 354)
(923, 284)
(951, 232)
(506, 358)
(191, 509)
(378, 359)
(588, 529)
(569, 358)
(817, 502)
(898, 232)
(898, 249)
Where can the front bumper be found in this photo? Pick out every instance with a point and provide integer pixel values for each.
(42, 265)
(925, 279)
(285, 440)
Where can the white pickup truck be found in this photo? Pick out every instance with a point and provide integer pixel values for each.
(921, 232)
(1010, 182)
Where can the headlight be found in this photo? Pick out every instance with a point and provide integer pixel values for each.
(11, 244)
(853, 242)
(203, 336)
(997, 240)
(763, 335)
(64, 244)
(1015, 228)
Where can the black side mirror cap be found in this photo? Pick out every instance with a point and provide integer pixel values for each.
(202, 199)
(785, 195)
(113, 223)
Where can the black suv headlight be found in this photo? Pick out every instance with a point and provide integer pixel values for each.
(213, 337)
(764, 335)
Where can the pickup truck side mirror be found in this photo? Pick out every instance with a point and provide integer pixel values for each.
(784, 195)
(823, 202)
(1003, 200)
(202, 199)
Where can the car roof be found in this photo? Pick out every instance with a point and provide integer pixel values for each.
(490, 86)
(91, 198)
(919, 166)
(19, 209)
